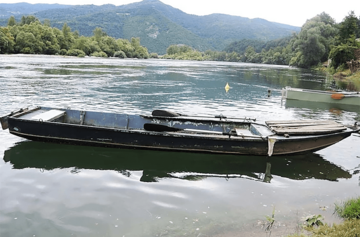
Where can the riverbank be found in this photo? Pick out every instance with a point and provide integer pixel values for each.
(348, 80)
(344, 79)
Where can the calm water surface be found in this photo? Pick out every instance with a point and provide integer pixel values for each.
(60, 190)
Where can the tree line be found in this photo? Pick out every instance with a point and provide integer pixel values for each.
(30, 36)
(320, 39)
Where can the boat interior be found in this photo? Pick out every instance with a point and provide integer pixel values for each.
(137, 122)
(182, 124)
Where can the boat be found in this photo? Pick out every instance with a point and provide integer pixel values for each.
(332, 97)
(165, 130)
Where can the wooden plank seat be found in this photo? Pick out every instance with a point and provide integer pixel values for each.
(49, 115)
(305, 127)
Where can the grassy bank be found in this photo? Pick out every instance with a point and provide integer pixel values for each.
(346, 79)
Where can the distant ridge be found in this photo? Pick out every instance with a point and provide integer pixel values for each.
(158, 25)
(14, 9)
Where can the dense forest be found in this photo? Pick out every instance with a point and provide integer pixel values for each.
(320, 39)
(30, 36)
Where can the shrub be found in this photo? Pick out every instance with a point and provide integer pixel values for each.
(154, 55)
(27, 50)
(314, 220)
(99, 54)
(75, 52)
(341, 54)
(120, 54)
(63, 52)
(349, 228)
(349, 209)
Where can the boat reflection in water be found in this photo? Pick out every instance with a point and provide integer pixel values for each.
(178, 165)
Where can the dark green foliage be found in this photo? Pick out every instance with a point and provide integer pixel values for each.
(312, 45)
(349, 29)
(341, 54)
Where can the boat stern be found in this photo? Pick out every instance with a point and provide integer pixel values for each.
(4, 122)
(4, 119)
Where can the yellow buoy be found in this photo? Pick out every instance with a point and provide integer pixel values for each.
(227, 87)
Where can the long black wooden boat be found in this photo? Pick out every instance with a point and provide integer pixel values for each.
(171, 131)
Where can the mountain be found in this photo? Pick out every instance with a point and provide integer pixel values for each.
(12, 9)
(158, 25)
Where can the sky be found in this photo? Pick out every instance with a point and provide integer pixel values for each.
(288, 12)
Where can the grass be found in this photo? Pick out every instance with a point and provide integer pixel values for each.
(349, 209)
(350, 227)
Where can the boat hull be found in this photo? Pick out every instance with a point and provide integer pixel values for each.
(321, 96)
(109, 137)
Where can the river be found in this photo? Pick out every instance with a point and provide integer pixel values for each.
(62, 190)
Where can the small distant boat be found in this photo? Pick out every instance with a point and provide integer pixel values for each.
(332, 97)
(166, 130)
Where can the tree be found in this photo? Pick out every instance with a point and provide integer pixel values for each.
(50, 42)
(346, 45)
(312, 45)
(25, 43)
(139, 51)
(11, 21)
(108, 45)
(47, 22)
(98, 34)
(82, 43)
(6, 41)
(341, 54)
(27, 20)
(349, 29)
(172, 49)
(68, 39)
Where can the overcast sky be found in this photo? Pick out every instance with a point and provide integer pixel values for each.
(282, 11)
